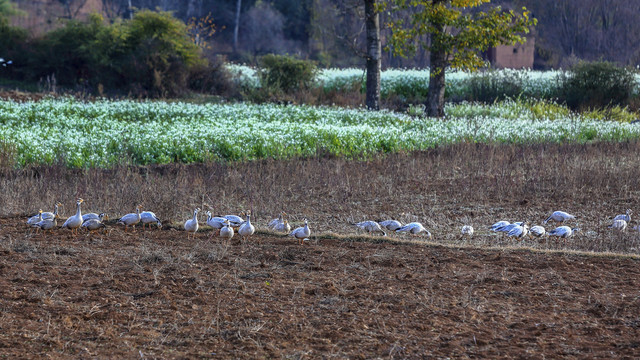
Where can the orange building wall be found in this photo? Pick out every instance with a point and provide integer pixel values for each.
(513, 56)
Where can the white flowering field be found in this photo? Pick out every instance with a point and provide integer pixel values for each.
(415, 81)
(105, 133)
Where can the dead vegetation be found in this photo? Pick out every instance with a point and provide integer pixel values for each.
(444, 189)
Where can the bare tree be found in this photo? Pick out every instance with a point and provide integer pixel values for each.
(587, 29)
(263, 30)
(194, 9)
(236, 26)
(69, 14)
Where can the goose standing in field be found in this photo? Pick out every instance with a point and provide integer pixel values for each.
(215, 222)
(74, 222)
(620, 225)
(499, 225)
(283, 226)
(148, 217)
(537, 231)
(130, 219)
(47, 224)
(626, 217)
(559, 216)
(227, 230)
(563, 231)
(191, 225)
(35, 219)
(414, 228)
(94, 225)
(246, 229)
(391, 225)
(301, 233)
(51, 215)
(370, 226)
(467, 230)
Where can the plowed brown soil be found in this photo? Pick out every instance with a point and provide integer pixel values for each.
(155, 294)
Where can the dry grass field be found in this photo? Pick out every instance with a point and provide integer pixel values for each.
(155, 294)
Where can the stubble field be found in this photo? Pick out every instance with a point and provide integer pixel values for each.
(155, 294)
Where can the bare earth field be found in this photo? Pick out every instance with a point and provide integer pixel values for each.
(155, 294)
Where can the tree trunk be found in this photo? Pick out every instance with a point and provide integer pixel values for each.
(130, 10)
(435, 97)
(374, 55)
(192, 9)
(236, 26)
(437, 65)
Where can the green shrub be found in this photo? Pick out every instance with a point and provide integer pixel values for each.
(149, 55)
(590, 85)
(14, 48)
(65, 53)
(286, 73)
(490, 86)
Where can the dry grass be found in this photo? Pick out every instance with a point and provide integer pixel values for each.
(443, 188)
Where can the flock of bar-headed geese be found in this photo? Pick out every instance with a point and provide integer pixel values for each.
(228, 225)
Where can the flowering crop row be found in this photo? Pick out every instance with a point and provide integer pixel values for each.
(105, 133)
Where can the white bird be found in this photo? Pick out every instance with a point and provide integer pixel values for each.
(74, 222)
(509, 227)
(92, 216)
(370, 226)
(391, 225)
(283, 226)
(519, 231)
(47, 224)
(559, 216)
(227, 231)
(619, 224)
(275, 222)
(414, 228)
(89, 216)
(563, 231)
(148, 217)
(498, 225)
(95, 224)
(626, 217)
(467, 230)
(35, 219)
(246, 229)
(130, 219)
(234, 220)
(301, 233)
(537, 231)
(191, 225)
(51, 215)
(215, 222)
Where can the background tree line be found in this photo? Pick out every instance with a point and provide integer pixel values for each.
(332, 31)
(146, 53)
